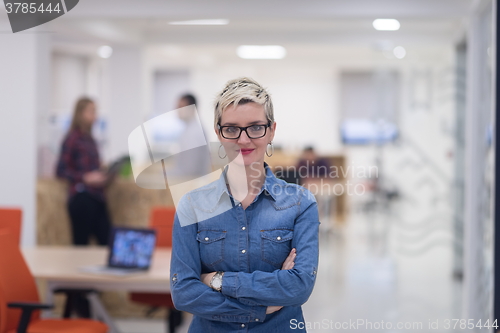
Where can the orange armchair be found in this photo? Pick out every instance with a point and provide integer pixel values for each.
(19, 302)
(162, 220)
(10, 219)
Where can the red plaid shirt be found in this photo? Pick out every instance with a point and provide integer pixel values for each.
(78, 156)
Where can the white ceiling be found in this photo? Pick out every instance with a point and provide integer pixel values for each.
(238, 9)
(261, 22)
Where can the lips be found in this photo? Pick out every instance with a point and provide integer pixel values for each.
(246, 151)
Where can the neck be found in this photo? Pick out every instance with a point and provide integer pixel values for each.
(245, 179)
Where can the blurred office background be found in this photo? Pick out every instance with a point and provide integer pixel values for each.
(416, 104)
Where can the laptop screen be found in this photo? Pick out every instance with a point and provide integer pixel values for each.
(131, 248)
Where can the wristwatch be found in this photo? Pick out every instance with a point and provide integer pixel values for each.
(216, 282)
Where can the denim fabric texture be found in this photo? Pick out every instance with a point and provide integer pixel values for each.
(250, 246)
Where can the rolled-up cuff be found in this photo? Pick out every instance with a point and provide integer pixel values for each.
(230, 284)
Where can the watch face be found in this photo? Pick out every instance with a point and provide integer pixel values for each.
(217, 283)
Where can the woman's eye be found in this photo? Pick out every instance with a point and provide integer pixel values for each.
(231, 129)
(256, 128)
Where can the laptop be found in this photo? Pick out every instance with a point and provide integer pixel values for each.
(130, 251)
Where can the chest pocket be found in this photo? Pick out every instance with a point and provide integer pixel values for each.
(276, 245)
(211, 244)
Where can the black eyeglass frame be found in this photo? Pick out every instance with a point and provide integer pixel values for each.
(219, 127)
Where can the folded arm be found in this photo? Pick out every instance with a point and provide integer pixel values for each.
(188, 291)
(290, 287)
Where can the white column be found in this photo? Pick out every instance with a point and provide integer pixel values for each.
(126, 85)
(24, 68)
(478, 259)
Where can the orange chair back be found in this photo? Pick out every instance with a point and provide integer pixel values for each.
(10, 219)
(16, 282)
(162, 220)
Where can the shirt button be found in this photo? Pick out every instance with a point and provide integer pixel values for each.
(174, 279)
(243, 228)
(256, 319)
(242, 325)
(206, 238)
(243, 251)
(239, 204)
(278, 238)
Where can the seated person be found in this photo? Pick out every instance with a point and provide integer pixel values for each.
(311, 166)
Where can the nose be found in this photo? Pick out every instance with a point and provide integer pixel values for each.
(243, 137)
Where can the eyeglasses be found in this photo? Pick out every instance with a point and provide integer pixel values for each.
(234, 132)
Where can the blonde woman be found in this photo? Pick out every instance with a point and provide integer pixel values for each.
(245, 247)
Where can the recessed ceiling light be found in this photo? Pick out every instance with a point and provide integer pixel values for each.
(105, 51)
(201, 22)
(399, 52)
(261, 52)
(386, 24)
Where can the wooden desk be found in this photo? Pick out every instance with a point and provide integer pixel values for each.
(59, 267)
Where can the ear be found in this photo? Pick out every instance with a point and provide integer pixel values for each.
(217, 132)
(273, 129)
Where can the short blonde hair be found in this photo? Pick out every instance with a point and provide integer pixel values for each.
(240, 91)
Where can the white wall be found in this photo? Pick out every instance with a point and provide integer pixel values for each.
(126, 80)
(25, 68)
(305, 86)
(168, 87)
(69, 79)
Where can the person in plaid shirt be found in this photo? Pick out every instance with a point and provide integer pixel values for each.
(79, 164)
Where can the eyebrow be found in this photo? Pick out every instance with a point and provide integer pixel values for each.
(249, 124)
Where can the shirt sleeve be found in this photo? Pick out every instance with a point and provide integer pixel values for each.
(283, 287)
(188, 292)
(70, 162)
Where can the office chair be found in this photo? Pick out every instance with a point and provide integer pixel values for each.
(19, 302)
(10, 219)
(162, 220)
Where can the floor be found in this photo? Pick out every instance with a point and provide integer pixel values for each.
(385, 270)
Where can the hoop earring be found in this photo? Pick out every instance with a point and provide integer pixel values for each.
(272, 149)
(218, 153)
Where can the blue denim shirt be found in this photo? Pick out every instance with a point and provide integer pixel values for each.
(250, 246)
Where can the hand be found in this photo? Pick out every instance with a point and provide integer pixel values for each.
(207, 277)
(290, 260)
(95, 178)
(271, 309)
(287, 264)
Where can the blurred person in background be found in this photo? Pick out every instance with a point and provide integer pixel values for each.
(311, 166)
(79, 164)
(195, 162)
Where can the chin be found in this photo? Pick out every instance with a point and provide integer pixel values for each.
(243, 160)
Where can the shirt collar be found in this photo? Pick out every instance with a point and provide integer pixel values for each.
(269, 181)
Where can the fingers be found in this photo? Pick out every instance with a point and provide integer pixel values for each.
(289, 262)
(271, 309)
